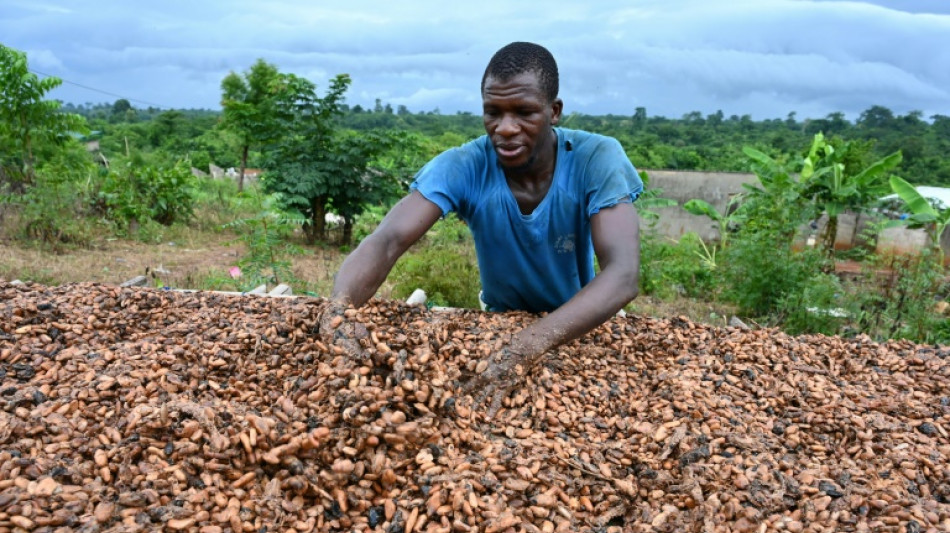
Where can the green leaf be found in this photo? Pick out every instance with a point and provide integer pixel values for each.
(700, 207)
(916, 204)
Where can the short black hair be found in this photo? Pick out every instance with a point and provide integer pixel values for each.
(520, 57)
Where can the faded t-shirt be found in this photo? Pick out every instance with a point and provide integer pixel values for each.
(539, 261)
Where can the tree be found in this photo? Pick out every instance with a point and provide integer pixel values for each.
(120, 107)
(26, 118)
(249, 107)
(319, 167)
(876, 117)
(297, 165)
(835, 185)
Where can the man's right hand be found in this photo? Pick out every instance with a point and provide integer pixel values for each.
(336, 329)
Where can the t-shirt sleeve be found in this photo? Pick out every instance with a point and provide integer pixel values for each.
(442, 180)
(611, 178)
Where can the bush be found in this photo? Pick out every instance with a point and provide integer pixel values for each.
(814, 306)
(265, 237)
(896, 298)
(760, 271)
(444, 266)
(217, 202)
(51, 212)
(140, 193)
(669, 268)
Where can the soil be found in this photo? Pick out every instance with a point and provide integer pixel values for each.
(180, 265)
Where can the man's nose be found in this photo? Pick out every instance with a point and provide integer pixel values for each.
(508, 125)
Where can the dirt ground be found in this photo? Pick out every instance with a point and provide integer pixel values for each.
(181, 265)
(194, 262)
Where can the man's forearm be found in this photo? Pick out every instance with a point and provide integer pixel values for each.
(363, 271)
(607, 293)
(366, 268)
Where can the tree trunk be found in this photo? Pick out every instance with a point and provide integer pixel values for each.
(318, 224)
(243, 166)
(347, 230)
(28, 144)
(854, 231)
(831, 234)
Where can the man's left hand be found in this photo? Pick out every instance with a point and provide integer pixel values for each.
(337, 329)
(507, 370)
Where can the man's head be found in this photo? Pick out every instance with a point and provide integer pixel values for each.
(520, 107)
(519, 58)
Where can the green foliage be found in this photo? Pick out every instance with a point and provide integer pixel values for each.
(759, 270)
(922, 212)
(319, 168)
(265, 234)
(814, 306)
(669, 269)
(161, 194)
(650, 200)
(367, 221)
(725, 221)
(835, 180)
(254, 106)
(444, 266)
(896, 296)
(26, 118)
(51, 213)
(217, 202)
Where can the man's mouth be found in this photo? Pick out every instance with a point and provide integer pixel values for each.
(510, 151)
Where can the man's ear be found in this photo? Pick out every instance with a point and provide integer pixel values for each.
(556, 107)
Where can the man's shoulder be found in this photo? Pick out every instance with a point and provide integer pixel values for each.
(467, 157)
(586, 142)
(477, 148)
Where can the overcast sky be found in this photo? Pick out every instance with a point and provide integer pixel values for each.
(765, 58)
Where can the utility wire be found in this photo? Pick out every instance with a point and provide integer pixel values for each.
(100, 90)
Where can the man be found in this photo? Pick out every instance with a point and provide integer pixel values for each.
(539, 200)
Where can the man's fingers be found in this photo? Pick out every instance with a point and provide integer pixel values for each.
(496, 403)
(482, 395)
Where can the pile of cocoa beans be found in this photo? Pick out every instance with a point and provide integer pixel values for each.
(135, 409)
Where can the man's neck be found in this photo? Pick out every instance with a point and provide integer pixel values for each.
(537, 173)
(530, 185)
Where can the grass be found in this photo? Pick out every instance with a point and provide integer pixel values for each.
(199, 256)
(180, 257)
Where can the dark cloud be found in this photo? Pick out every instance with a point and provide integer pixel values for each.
(760, 57)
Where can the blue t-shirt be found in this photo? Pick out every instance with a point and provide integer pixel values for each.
(539, 261)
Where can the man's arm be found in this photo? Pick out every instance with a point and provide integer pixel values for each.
(616, 235)
(366, 268)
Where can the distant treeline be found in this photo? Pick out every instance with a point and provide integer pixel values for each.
(691, 142)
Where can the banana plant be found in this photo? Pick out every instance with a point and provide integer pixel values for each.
(922, 213)
(724, 221)
(834, 187)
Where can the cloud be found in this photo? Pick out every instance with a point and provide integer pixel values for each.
(763, 57)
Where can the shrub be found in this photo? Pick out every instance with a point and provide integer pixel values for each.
(139, 193)
(814, 306)
(760, 270)
(896, 297)
(444, 266)
(265, 237)
(669, 268)
(51, 212)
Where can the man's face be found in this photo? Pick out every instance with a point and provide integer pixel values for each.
(518, 119)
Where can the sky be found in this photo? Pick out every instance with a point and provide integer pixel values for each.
(764, 58)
